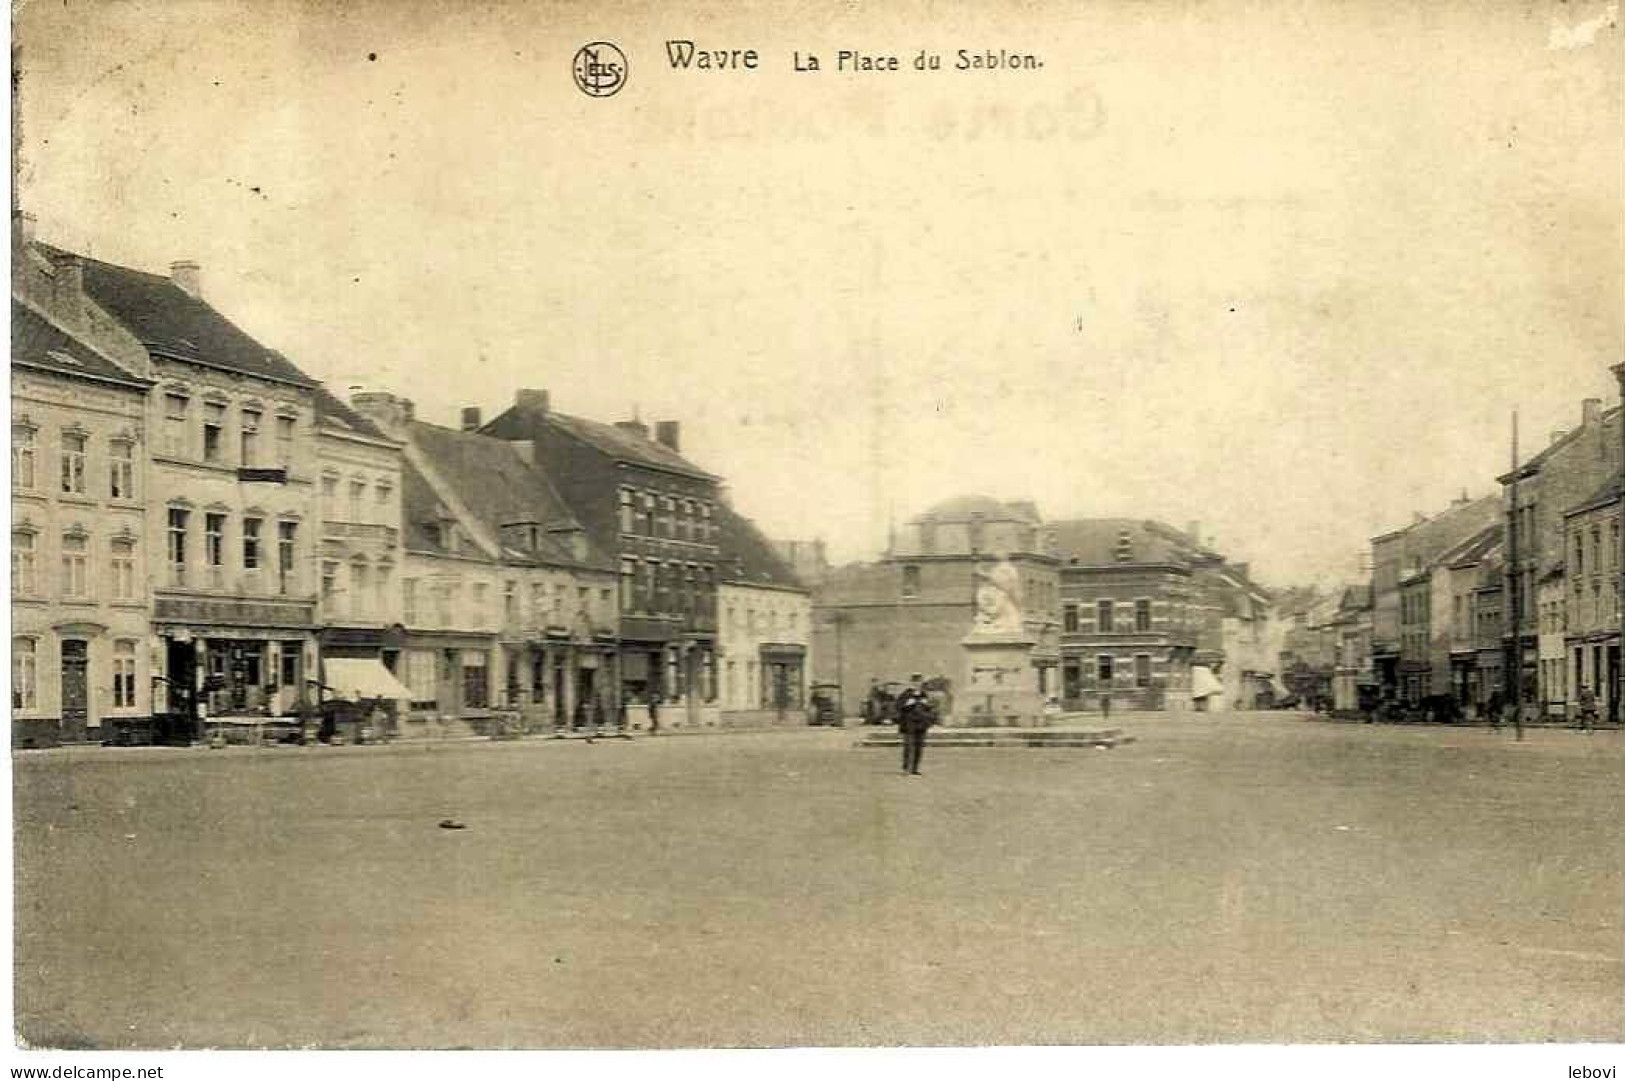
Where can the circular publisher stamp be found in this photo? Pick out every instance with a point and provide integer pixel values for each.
(600, 69)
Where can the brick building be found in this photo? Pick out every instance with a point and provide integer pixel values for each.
(654, 512)
(1134, 616)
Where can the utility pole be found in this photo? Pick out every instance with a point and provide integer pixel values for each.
(1619, 598)
(1514, 659)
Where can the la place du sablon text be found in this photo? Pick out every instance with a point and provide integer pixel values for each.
(686, 55)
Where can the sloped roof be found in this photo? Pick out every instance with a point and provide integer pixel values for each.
(1472, 550)
(966, 507)
(421, 512)
(1533, 464)
(516, 421)
(334, 414)
(498, 486)
(38, 342)
(167, 319)
(1094, 541)
(746, 556)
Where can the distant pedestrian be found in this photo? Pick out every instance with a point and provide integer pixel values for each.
(1105, 707)
(915, 716)
(1588, 708)
(654, 713)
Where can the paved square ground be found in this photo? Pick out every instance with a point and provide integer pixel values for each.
(1234, 878)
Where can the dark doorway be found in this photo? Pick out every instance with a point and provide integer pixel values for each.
(181, 664)
(75, 688)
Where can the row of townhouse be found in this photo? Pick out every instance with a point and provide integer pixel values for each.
(1125, 612)
(204, 538)
(1514, 595)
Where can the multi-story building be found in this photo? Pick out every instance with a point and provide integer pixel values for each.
(361, 553)
(764, 628)
(1250, 637)
(909, 612)
(1591, 571)
(1551, 594)
(1353, 680)
(655, 513)
(1456, 575)
(81, 660)
(505, 602)
(1310, 643)
(1130, 620)
(1401, 556)
(1564, 474)
(1487, 680)
(233, 458)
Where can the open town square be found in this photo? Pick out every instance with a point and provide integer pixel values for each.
(624, 532)
(1242, 878)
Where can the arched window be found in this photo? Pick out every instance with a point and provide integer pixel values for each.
(24, 674)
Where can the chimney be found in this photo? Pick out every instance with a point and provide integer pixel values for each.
(668, 433)
(187, 276)
(532, 401)
(471, 418)
(634, 427)
(1558, 434)
(384, 409)
(68, 283)
(1590, 410)
(26, 225)
(725, 495)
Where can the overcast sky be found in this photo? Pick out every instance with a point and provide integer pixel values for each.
(1287, 272)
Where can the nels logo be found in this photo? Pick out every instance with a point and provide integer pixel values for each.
(600, 69)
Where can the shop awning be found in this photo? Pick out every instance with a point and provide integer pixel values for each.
(1204, 682)
(359, 679)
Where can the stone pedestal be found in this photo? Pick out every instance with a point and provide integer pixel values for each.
(1002, 690)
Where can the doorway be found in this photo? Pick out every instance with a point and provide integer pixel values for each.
(75, 689)
(180, 662)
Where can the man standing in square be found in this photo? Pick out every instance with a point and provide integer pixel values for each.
(915, 716)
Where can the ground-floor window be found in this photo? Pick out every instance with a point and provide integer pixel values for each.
(475, 682)
(124, 675)
(24, 674)
(1103, 669)
(1071, 680)
(1142, 670)
(422, 667)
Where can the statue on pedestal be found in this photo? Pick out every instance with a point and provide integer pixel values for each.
(998, 599)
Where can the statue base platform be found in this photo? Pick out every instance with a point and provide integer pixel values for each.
(1003, 687)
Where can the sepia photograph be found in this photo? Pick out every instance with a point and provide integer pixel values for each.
(544, 526)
